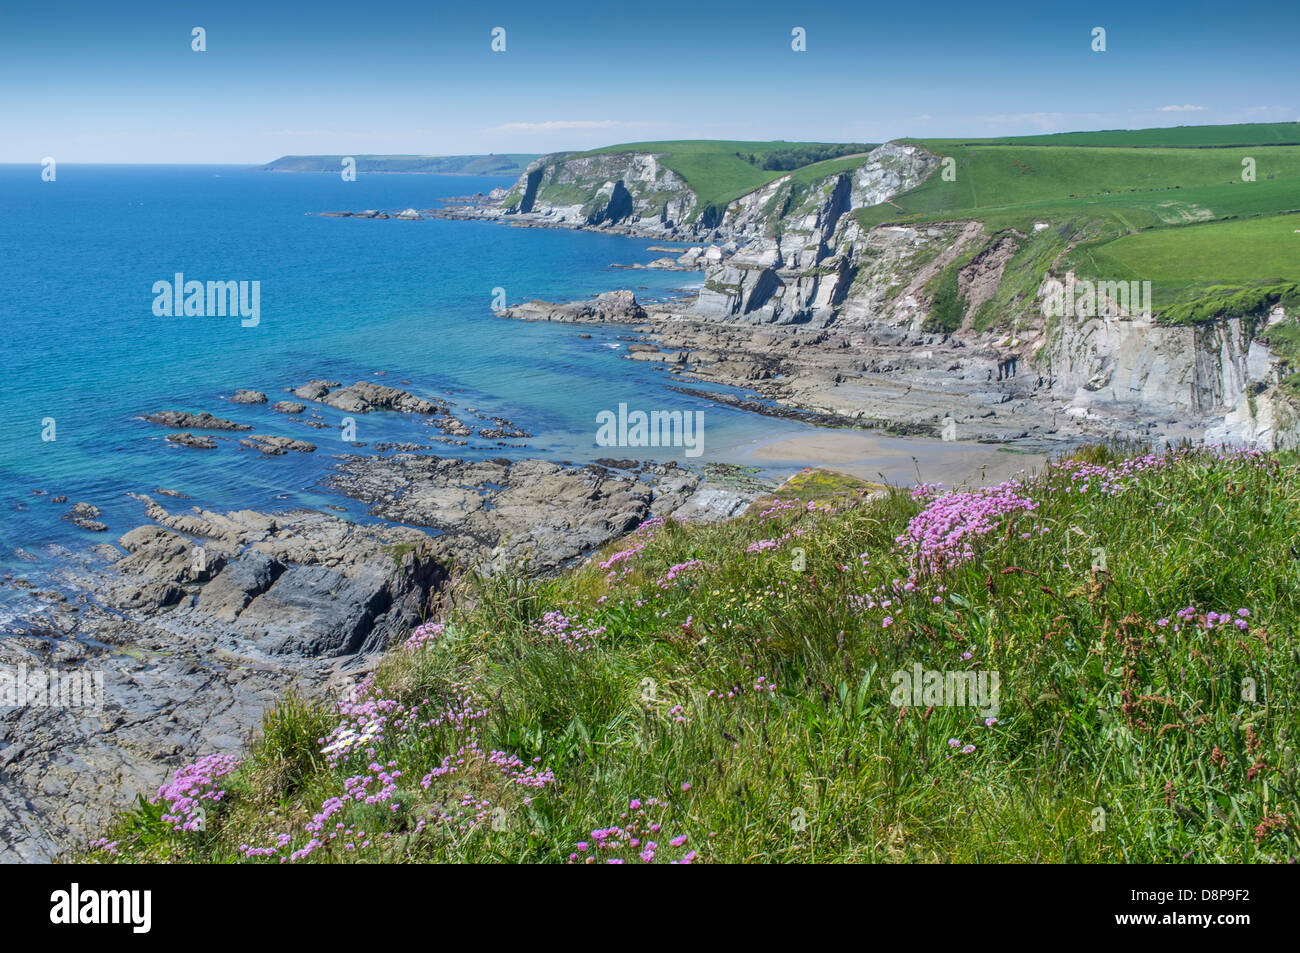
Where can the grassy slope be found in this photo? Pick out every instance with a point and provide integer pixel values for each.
(1268, 247)
(744, 699)
(1241, 134)
(711, 167)
(1016, 185)
(1134, 206)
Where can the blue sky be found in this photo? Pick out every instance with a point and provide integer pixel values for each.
(119, 82)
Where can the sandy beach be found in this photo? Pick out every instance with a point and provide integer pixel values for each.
(894, 460)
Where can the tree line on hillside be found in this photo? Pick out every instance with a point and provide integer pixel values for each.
(796, 157)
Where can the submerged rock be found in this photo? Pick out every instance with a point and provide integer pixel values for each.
(314, 390)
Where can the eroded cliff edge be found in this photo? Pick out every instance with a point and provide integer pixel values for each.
(901, 325)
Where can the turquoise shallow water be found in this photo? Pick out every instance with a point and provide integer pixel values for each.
(341, 299)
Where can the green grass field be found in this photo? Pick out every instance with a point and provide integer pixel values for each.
(1220, 252)
(1171, 206)
(1183, 137)
(1013, 186)
(730, 692)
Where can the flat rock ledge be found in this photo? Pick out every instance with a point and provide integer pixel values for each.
(493, 514)
(612, 307)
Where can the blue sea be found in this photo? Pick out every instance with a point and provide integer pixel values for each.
(342, 299)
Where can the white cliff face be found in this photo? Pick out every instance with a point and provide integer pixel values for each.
(606, 189)
(746, 218)
(893, 264)
(1134, 361)
(1267, 418)
(1265, 422)
(792, 264)
(1211, 370)
(890, 170)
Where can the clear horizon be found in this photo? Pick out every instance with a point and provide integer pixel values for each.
(93, 86)
(426, 155)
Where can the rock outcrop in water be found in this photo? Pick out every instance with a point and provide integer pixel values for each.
(183, 420)
(299, 583)
(187, 439)
(274, 446)
(612, 307)
(364, 397)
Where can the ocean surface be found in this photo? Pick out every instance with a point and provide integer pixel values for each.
(341, 299)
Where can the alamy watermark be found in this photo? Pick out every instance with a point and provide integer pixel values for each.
(213, 299)
(1081, 298)
(658, 428)
(921, 687)
(24, 687)
(74, 906)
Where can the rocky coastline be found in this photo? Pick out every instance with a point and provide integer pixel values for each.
(815, 312)
(191, 624)
(893, 380)
(196, 620)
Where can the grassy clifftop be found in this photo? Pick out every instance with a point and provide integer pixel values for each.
(1194, 210)
(718, 171)
(742, 691)
(1185, 137)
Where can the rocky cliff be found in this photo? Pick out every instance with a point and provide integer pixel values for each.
(627, 189)
(1219, 369)
(946, 307)
(794, 263)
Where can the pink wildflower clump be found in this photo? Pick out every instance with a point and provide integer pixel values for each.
(467, 812)
(926, 491)
(369, 722)
(665, 582)
(1109, 480)
(423, 635)
(776, 509)
(638, 837)
(640, 538)
(105, 845)
(512, 769)
(556, 626)
(190, 787)
(363, 722)
(1191, 617)
(943, 533)
(760, 545)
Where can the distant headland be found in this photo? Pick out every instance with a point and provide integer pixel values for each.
(503, 164)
